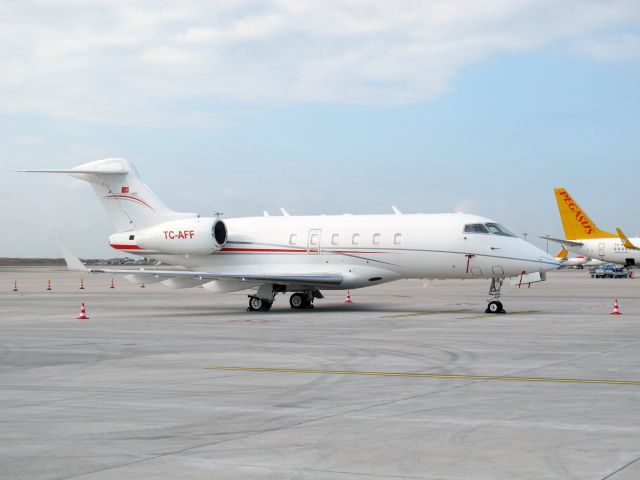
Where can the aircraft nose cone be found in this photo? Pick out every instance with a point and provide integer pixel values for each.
(551, 263)
(546, 261)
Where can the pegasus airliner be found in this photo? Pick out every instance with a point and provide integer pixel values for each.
(583, 236)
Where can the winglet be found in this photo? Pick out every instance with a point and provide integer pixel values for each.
(284, 212)
(395, 210)
(625, 240)
(73, 262)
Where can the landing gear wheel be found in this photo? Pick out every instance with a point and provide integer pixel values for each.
(495, 307)
(266, 306)
(300, 301)
(258, 305)
(297, 301)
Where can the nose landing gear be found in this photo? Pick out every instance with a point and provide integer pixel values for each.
(495, 290)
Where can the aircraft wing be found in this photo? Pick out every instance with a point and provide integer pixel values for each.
(625, 240)
(571, 243)
(74, 263)
(294, 278)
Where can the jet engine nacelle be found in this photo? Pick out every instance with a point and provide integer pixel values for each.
(198, 236)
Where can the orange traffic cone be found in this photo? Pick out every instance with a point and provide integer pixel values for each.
(616, 310)
(15, 286)
(83, 313)
(348, 299)
(49, 285)
(112, 284)
(82, 284)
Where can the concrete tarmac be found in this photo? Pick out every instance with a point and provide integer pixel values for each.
(407, 382)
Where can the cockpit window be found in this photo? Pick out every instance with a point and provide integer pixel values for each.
(475, 228)
(498, 229)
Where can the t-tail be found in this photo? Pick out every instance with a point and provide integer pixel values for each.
(129, 202)
(576, 223)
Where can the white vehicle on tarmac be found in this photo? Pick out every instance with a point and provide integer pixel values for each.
(301, 254)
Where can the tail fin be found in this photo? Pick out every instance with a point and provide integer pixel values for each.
(562, 254)
(577, 225)
(129, 202)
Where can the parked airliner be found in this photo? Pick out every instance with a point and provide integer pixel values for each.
(578, 261)
(582, 236)
(301, 254)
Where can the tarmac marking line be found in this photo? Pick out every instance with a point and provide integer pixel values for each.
(498, 315)
(420, 314)
(424, 375)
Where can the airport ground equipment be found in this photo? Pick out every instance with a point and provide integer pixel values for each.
(616, 308)
(83, 313)
(609, 271)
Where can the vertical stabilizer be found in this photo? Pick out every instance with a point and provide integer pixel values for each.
(129, 202)
(576, 223)
(562, 254)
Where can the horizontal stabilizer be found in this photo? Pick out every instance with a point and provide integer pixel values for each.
(563, 241)
(111, 169)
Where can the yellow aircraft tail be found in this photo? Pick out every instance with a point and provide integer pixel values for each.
(562, 254)
(577, 224)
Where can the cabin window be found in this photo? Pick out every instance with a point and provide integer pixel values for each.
(397, 239)
(475, 228)
(132, 237)
(376, 239)
(293, 239)
(355, 239)
(314, 239)
(335, 238)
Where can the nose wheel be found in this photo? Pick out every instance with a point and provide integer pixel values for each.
(495, 290)
(495, 307)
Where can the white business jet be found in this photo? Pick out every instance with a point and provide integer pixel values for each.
(301, 254)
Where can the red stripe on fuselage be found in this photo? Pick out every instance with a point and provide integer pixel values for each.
(262, 250)
(286, 250)
(129, 197)
(125, 247)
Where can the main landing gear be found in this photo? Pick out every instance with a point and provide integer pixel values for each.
(259, 305)
(495, 290)
(301, 300)
(264, 297)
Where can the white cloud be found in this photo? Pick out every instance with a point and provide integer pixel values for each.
(29, 139)
(170, 56)
(161, 62)
(616, 47)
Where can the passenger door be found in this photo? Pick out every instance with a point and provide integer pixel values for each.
(313, 241)
(601, 250)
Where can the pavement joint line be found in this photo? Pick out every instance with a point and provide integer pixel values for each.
(424, 375)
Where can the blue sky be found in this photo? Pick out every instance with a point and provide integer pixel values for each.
(485, 114)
